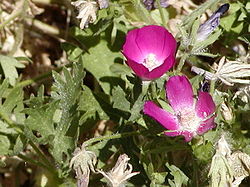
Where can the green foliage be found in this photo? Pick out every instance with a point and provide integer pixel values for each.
(180, 178)
(96, 99)
(98, 62)
(48, 123)
(90, 106)
(9, 67)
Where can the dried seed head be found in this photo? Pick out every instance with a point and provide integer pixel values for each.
(223, 147)
(220, 171)
(120, 173)
(240, 164)
(226, 112)
(87, 11)
(228, 72)
(83, 162)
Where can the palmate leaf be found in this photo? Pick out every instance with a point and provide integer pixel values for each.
(48, 123)
(41, 120)
(98, 62)
(66, 89)
(90, 106)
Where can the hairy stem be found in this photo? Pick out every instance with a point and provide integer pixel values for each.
(182, 62)
(109, 137)
(164, 22)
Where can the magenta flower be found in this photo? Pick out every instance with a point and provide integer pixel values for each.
(191, 116)
(150, 51)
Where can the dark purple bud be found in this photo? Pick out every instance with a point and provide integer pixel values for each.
(163, 4)
(205, 86)
(211, 24)
(149, 4)
(103, 3)
(223, 9)
(152, 4)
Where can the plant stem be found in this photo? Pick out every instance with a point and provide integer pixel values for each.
(212, 87)
(42, 156)
(182, 62)
(161, 13)
(109, 137)
(145, 86)
(35, 162)
(153, 90)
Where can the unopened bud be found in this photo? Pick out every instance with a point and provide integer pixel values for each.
(103, 3)
(211, 24)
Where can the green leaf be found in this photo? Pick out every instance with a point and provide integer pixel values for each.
(73, 52)
(204, 152)
(137, 108)
(9, 66)
(19, 145)
(227, 22)
(194, 30)
(11, 107)
(66, 89)
(120, 69)
(90, 106)
(41, 120)
(98, 62)
(119, 99)
(5, 145)
(165, 106)
(180, 179)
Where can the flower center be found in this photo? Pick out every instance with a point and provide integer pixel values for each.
(188, 119)
(150, 62)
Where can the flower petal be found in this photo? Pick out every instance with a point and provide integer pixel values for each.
(187, 135)
(130, 49)
(179, 93)
(157, 40)
(205, 105)
(166, 119)
(159, 71)
(142, 72)
(206, 125)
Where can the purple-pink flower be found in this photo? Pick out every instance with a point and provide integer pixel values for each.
(191, 116)
(150, 51)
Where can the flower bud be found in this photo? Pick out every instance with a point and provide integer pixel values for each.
(211, 24)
